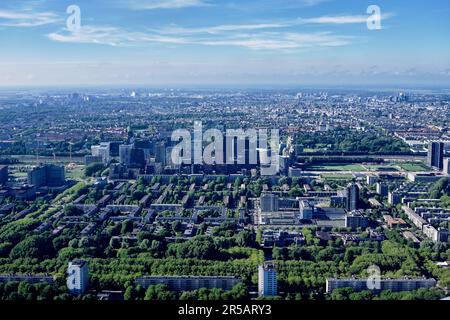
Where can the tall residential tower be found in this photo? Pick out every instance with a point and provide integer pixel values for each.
(267, 280)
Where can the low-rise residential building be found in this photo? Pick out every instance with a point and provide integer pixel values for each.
(395, 285)
(189, 283)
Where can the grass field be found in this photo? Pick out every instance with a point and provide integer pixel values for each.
(76, 173)
(383, 167)
(337, 167)
(413, 167)
(19, 174)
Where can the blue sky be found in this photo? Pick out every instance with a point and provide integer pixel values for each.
(225, 42)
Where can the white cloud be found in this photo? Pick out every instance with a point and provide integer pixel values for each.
(350, 19)
(260, 40)
(220, 29)
(347, 19)
(270, 35)
(282, 40)
(92, 34)
(24, 19)
(109, 36)
(334, 20)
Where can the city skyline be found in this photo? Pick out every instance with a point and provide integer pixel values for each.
(224, 43)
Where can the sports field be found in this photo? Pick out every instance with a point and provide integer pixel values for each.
(336, 167)
(413, 167)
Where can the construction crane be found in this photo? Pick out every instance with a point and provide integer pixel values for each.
(37, 151)
(71, 164)
(70, 151)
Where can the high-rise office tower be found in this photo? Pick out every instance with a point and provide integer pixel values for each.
(352, 196)
(160, 153)
(269, 202)
(125, 154)
(371, 179)
(436, 155)
(47, 175)
(382, 189)
(131, 156)
(447, 166)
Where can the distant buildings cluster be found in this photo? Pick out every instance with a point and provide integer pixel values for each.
(274, 210)
(39, 177)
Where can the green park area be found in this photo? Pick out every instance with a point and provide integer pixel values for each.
(357, 167)
(413, 166)
(76, 173)
(381, 167)
(336, 167)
